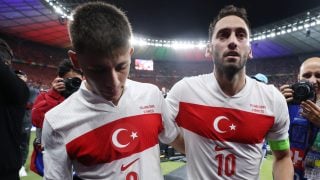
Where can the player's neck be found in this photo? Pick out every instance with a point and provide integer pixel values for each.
(231, 86)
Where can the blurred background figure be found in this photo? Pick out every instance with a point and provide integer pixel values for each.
(164, 91)
(14, 94)
(261, 78)
(26, 123)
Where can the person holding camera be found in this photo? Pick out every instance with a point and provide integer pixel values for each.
(14, 95)
(303, 100)
(67, 82)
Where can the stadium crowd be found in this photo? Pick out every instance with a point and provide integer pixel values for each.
(40, 63)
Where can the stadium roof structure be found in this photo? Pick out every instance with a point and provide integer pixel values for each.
(39, 21)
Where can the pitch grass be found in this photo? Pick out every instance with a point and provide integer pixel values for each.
(167, 167)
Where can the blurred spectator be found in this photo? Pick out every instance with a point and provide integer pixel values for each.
(261, 78)
(34, 59)
(164, 91)
(26, 124)
(13, 98)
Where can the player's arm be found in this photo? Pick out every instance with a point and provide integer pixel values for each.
(282, 164)
(178, 143)
(279, 141)
(172, 132)
(172, 108)
(57, 165)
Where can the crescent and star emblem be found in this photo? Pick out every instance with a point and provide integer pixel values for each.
(115, 138)
(216, 124)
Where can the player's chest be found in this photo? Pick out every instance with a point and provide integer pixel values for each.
(224, 124)
(118, 139)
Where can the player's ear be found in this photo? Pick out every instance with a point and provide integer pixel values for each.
(208, 52)
(250, 55)
(74, 59)
(131, 51)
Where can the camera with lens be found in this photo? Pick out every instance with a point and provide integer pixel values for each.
(72, 85)
(303, 90)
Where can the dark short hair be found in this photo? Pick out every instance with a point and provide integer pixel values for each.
(229, 10)
(99, 29)
(66, 66)
(6, 48)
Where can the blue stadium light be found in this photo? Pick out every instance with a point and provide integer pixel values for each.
(290, 25)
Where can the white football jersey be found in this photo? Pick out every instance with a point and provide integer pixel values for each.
(102, 141)
(224, 135)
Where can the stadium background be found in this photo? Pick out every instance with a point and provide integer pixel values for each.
(168, 34)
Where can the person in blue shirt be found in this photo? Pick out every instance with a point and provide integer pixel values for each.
(305, 122)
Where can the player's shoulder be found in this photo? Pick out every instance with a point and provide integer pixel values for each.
(194, 80)
(199, 77)
(62, 109)
(141, 86)
(261, 85)
(268, 90)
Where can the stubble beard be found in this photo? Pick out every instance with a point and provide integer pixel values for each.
(229, 70)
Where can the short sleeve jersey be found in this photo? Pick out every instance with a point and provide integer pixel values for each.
(224, 135)
(102, 141)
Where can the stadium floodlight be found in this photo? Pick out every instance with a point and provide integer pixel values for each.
(201, 45)
(59, 9)
(297, 23)
(168, 43)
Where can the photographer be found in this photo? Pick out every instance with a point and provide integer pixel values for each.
(303, 101)
(67, 82)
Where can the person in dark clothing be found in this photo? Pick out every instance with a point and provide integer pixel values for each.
(26, 123)
(14, 95)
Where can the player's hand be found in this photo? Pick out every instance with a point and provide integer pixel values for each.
(287, 92)
(311, 112)
(58, 84)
